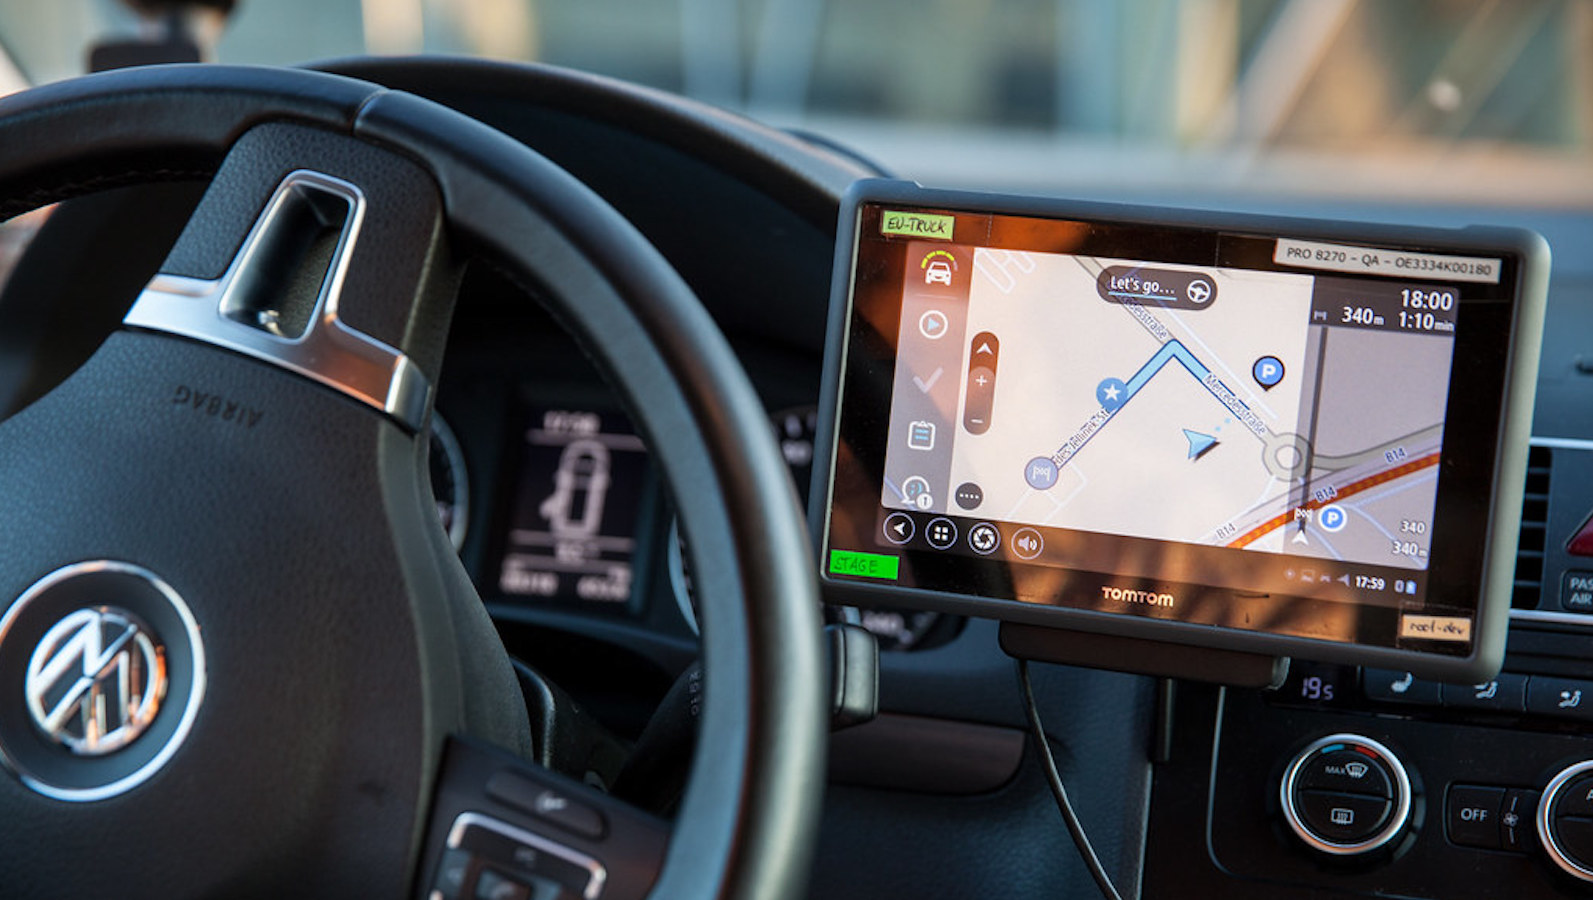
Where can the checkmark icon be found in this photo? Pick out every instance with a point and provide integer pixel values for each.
(926, 385)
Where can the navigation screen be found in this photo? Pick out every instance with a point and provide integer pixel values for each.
(1255, 431)
(1212, 406)
(572, 531)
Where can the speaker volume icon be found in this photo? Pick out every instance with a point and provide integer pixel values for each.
(1027, 543)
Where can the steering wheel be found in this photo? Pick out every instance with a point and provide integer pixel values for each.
(238, 656)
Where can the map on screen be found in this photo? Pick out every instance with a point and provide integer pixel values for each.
(1264, 410)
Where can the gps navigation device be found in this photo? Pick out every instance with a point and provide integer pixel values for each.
(1275, 436)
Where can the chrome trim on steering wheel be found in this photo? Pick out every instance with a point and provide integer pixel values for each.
(328, 351)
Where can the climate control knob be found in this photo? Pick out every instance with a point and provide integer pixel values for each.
(1565, 820)
(1346, 795)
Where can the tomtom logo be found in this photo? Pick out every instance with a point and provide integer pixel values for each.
(1148, 598)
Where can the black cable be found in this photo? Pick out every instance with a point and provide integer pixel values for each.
(1075, 828)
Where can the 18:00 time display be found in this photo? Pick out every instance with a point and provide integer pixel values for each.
(1427, 310)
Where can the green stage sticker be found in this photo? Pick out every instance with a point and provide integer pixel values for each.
(917, 224)
(863, 565)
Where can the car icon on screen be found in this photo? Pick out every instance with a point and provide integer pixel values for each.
(580, 486)
(938, 272)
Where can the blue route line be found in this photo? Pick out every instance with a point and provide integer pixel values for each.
(1171, 350)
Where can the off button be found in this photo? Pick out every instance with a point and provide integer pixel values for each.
(1473, 816)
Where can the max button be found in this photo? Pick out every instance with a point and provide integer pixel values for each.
(1348, 771)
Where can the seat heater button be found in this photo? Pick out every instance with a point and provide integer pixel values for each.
(1472, 816)
(1390, 686)
(551, 805)
(1349, 771)
(1339, 818)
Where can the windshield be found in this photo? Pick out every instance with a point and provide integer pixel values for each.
(1428, 100)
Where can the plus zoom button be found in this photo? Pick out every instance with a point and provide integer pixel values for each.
(983, 352)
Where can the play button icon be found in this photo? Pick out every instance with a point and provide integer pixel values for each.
(898, 528)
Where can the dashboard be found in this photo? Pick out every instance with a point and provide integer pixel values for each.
(1180, 784)
(561, 519)
(1185, 788)
(555, 504)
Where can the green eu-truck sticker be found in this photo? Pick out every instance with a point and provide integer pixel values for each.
(917, 224)
(863, 565)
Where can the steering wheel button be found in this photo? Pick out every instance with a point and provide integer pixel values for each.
(548, 804)
(1347, 771)
(452, 873)
(492, 886)
(524, 855)
(1340, 817)
(1472, 816)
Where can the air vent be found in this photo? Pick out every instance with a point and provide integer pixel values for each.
(1534, 530)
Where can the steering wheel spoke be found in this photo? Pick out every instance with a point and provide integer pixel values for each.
(342, 275)
(252, 445)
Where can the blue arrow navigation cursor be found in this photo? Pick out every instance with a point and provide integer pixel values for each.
(1199, 444)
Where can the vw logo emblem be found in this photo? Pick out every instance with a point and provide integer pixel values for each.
(105, 668)
(96, 680)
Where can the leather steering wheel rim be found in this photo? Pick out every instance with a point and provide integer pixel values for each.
(746, 824)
